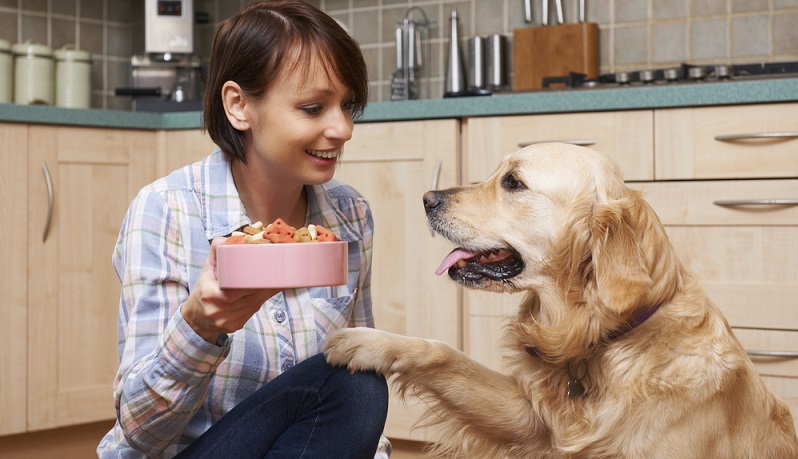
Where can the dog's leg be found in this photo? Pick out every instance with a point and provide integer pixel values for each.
(465, 398)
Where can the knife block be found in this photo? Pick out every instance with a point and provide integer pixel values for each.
(555, 50)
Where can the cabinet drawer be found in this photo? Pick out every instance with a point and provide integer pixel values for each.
(746, 141)
(774, 352)
(627, 137)
(745, 257)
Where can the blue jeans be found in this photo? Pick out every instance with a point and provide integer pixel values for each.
(310, 411)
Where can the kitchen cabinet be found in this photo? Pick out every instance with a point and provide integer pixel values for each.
(13, 277)
(73, 292)
(625, 136)
(392, 165)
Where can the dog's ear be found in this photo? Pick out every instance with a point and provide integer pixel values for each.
(622, 276)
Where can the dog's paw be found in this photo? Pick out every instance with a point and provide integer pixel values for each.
(361, 349)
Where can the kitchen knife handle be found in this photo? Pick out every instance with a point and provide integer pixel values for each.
(581, 142)
(527, 11)
(558, 10)
(756, 202)
(757, 135)
(50, 200)
(783, 354)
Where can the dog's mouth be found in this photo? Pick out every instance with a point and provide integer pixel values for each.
(470, 266)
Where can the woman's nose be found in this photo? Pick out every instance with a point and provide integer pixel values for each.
(340, 125)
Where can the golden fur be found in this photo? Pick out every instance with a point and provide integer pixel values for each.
(678, 385)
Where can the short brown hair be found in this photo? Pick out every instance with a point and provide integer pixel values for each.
(253, 47)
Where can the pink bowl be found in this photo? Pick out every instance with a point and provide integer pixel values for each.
(288, 265)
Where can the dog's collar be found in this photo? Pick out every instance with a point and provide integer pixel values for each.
(636, 321)
(577, 369)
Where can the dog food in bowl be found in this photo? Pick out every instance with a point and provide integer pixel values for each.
(280, 256)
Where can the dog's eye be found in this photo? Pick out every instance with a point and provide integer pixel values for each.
(509, 182)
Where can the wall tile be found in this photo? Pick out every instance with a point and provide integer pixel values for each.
(91, 37)
(709, 39)
(8, 27)
(92, 9)
(785, 34)
(708, 7)
(63, 32)
(631, 45)
(64, 7)
(750, 36)
(746, 6)
(34, 28)
(669, 9)
(671, 42)
(630, 11)
(365, 27)
(118, 43)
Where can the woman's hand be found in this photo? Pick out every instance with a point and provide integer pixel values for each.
(211, 311)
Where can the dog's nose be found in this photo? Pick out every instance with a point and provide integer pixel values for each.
(431, 200)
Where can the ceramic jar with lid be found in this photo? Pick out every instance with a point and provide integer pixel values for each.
(6, 72)
(33, 73)
(72, 77)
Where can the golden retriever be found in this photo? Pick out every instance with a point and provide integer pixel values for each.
(616, 351)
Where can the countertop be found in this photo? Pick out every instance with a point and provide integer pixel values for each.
(548, 101)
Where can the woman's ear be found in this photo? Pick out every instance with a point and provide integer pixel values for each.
(234, 105)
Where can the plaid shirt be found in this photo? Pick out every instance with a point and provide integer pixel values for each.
(172, 385)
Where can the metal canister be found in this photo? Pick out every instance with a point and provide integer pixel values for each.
(495, 50)
(72, 77)
(476, 64)
(33, 73)
(6, 72)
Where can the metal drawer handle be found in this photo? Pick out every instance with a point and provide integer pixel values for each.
(756, 202)
(581, 142)
(784, 354)
(436, 174)
(49, 182)
(758, 135)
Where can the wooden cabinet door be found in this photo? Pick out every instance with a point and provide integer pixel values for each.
(744, 141)
(73, 295)
(392, 165)
(13, 275)
(627, 137)
(182, 147)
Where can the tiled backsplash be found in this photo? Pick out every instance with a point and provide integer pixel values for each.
(635, 34)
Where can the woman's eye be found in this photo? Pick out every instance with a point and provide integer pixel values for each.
(349, 106)
(312, 109)
(509, 182)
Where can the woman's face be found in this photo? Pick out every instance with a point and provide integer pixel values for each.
(298, 129)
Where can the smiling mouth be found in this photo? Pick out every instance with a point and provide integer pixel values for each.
(470, 266)
(328, 154)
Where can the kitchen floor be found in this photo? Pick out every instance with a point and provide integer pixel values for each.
(80, 442)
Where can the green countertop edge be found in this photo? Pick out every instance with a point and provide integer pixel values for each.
(550, 101)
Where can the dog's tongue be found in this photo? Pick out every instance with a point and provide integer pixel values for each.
(455, 256)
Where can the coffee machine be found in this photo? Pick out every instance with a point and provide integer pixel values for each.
(165, 74)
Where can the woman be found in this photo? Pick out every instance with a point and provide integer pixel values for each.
(206, 372)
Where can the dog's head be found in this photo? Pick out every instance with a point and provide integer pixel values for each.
(557, 221)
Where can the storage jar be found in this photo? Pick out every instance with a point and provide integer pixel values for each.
(33, 73)
(72, 77)
(6, 72)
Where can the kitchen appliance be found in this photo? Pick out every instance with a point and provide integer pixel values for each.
(165, 74)
(682, 74)
(550, 50)
(412, 54)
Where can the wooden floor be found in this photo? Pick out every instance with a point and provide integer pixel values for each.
(80, 442)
